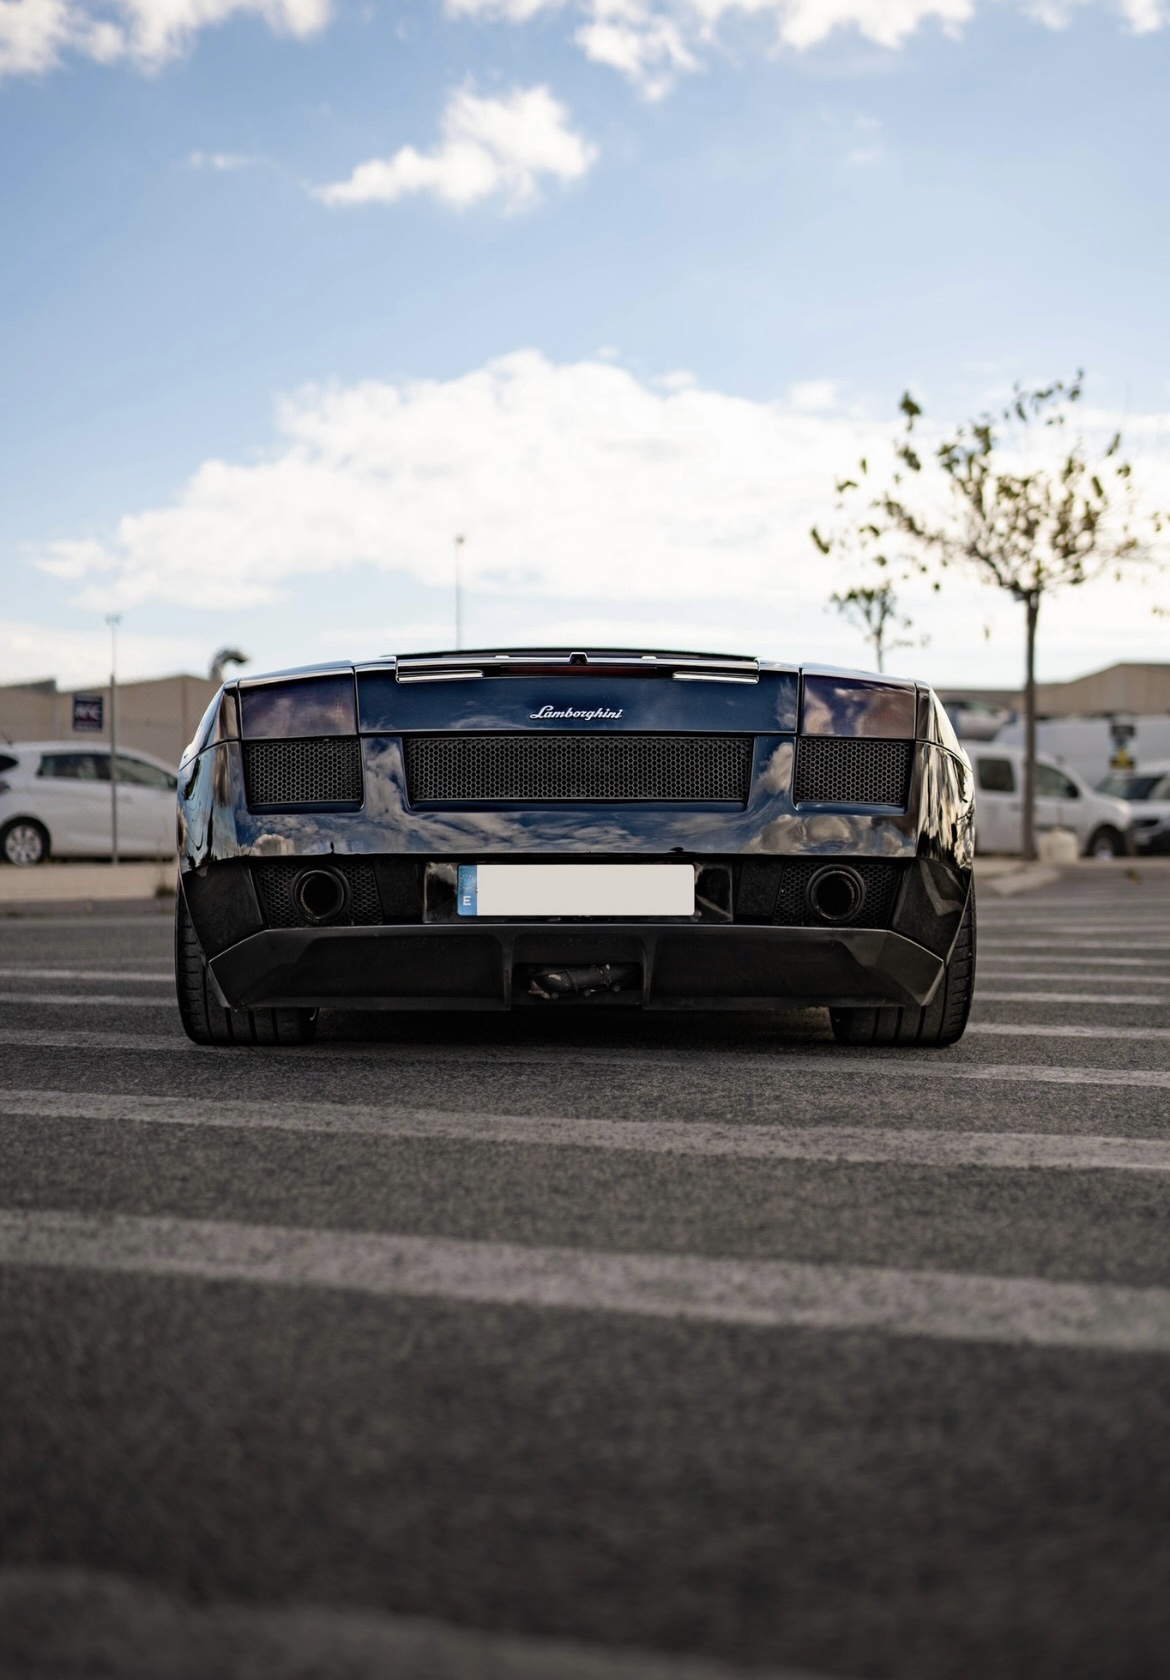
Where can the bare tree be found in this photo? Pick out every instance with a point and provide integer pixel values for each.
(869, 543)
(875, 611)
(1024, 508)
(1028, 519)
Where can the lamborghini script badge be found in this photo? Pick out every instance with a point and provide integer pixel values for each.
(602, 713)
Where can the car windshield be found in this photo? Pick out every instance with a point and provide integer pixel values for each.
(1130, 786)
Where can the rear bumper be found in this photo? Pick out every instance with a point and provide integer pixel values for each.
(483, 967)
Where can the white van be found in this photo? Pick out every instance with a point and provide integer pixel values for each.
(55, 800)
(1103, 826)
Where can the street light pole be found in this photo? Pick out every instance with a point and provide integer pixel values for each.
(459, 541)
(113, 620)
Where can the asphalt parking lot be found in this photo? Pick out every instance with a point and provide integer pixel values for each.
(590, 1346)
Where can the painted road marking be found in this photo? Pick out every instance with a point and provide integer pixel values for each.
(1004, 1029)
(1098, 961)
(139, 1630)
(761, 1141)
(1020, 976)
(1068, 997)
(767, 1294)
(894, 1065)
(101, 1000)
(158, 976)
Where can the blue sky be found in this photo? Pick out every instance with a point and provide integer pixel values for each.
(291, 297)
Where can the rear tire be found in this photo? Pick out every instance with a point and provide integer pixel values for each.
(944, 1019)
(205, 1021)
(24, 842)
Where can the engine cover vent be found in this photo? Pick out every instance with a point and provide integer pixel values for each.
(550, 769)
(835, 770)
(316, 772)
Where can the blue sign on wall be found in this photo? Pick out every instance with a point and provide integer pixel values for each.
(88, 711)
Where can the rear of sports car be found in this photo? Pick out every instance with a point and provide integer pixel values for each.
(559, 829)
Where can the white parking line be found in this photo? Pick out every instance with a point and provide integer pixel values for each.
(1069, 997)
(140, 1631)
(888, 1066)
(1020, 976)
(766, 1294)
(158, 976)
(1071, 947)
(1003, 1029)
(1098, 961)
(762, 1141)
(48, 1038)
(82, 1000)
(1149, 923)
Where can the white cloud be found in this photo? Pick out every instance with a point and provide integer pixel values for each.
(814, 396)
(592, 501)
(570, 480)
(36, 34)
(491, 148)
(653, 41)
(647, 46)
(30, 652)
(224, 163)
(649, 41)
(1143, 16)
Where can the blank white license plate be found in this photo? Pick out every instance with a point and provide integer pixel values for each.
(576, 889)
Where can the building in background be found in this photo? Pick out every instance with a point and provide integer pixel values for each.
(1118, 717)
(1118, 690)
(157, 717)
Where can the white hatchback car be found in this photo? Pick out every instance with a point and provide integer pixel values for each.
(1103, 826)
(55, 801)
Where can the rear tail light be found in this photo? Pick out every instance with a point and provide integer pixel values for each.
(856, 742)
(300, 741)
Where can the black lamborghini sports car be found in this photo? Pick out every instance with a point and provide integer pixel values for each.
(550, 829)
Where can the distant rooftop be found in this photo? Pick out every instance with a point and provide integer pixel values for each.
(1142, 689)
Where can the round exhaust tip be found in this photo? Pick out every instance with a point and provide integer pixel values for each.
(836, 894)
(321, 895)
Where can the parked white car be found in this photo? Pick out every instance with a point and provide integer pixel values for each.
(1103, 826)
(55, 801)
(1147, 793)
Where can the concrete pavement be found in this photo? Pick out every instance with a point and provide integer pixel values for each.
(589, 1346)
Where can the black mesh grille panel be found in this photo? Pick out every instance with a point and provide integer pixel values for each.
(322, 772)
(274, 882)
(777, 892)
(836, 771)
(549, 769)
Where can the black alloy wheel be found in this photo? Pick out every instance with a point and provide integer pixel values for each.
(206, 1021)
(942, 1022)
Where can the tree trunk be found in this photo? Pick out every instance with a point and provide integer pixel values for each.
(1028, 825)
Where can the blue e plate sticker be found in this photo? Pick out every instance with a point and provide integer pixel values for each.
(468, 889)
